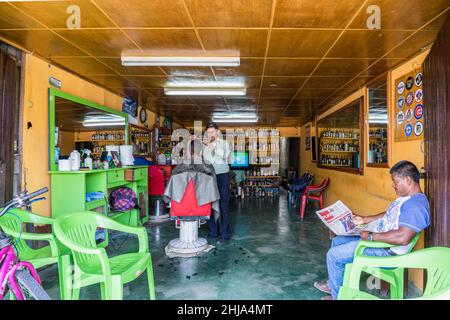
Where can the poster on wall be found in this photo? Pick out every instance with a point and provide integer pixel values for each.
(409, 106)
(308, 137)
(130, 106)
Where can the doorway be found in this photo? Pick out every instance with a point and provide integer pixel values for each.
(10, 81)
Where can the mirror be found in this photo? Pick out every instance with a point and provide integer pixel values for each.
(377, 153)
(340, 139)
(79, 124)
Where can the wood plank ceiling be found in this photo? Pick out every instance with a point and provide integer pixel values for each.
(298, 57)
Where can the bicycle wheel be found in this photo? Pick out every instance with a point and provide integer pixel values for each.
(30, 288)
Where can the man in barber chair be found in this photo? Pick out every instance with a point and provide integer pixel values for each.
(203, 174)
(408, 215)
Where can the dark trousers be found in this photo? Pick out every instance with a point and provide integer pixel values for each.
(221, 227)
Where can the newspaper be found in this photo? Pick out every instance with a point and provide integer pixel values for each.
(338, 218)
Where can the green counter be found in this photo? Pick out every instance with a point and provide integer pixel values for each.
(69, 188)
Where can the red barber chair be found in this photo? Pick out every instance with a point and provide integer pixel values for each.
(187, 215)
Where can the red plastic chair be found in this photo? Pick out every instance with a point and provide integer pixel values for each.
(314, 193)
(188, 208)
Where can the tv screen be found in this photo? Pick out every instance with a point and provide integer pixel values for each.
(239, 159)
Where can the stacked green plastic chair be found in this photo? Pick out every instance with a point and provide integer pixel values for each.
(12, 224)
(91, 263)
(395, 276)
(435, 260)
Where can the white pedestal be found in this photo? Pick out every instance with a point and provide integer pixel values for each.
(188, 244)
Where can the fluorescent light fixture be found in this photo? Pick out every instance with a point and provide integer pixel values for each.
(193, 83)
(103, 124)
(379, 121)
(131, 61)
(204, 92)
(236, 118)
(103, 119)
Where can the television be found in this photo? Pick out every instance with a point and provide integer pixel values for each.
(239, 159)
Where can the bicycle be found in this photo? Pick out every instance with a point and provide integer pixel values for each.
(20, 277)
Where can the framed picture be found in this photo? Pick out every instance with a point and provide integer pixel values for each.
(130, 106)
(116, 159)
(308, 137)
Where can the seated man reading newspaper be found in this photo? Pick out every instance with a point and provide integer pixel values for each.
(408, 215)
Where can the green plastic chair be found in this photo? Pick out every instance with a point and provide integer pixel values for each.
(55, 252)
(92, 265)
(435, 260)
(395, 277)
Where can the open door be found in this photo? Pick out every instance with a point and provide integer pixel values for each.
(436, 87)
(10, 74)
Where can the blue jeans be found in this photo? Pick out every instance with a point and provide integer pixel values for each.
(341, 252)
(222, 226)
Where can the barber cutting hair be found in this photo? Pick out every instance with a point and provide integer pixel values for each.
(217, 152)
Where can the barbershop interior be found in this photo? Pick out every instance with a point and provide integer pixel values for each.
(224, 150)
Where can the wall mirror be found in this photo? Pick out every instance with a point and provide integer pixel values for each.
(377, 152)
(340, 141)
(79, 124)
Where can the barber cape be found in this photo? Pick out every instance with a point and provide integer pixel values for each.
(205, 183)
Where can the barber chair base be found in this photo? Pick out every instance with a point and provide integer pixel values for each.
(188, 244)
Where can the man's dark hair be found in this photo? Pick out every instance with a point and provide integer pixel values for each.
(405, 169)
(212, 125)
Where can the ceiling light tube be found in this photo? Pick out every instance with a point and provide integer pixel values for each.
(100, 120)
(204, 92)
(231, 119)
(102, 124)
(130, 61)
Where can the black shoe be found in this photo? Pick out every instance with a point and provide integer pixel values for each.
(210, 238)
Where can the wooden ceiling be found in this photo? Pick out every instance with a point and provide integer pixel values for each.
(298, 57)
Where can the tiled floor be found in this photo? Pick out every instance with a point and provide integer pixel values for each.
(272, 255)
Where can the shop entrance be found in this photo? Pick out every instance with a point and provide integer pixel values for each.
(10, 74)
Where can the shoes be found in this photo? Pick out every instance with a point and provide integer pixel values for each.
(222, 241)
(322, 286)
(327, 298)
(211, 238)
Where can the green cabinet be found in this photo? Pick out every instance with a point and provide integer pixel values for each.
(69, 188)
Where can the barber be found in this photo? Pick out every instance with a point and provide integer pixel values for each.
(217, 152)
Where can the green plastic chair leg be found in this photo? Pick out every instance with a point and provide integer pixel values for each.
(65, 277)
(112, 289)
(397, 290)
(103, 290)
(76, 294)
(117, 288)
(151, 283)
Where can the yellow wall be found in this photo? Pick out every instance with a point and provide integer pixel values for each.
(372, 192)
(35, 110)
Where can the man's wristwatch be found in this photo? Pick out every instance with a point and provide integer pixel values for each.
(370, 236)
